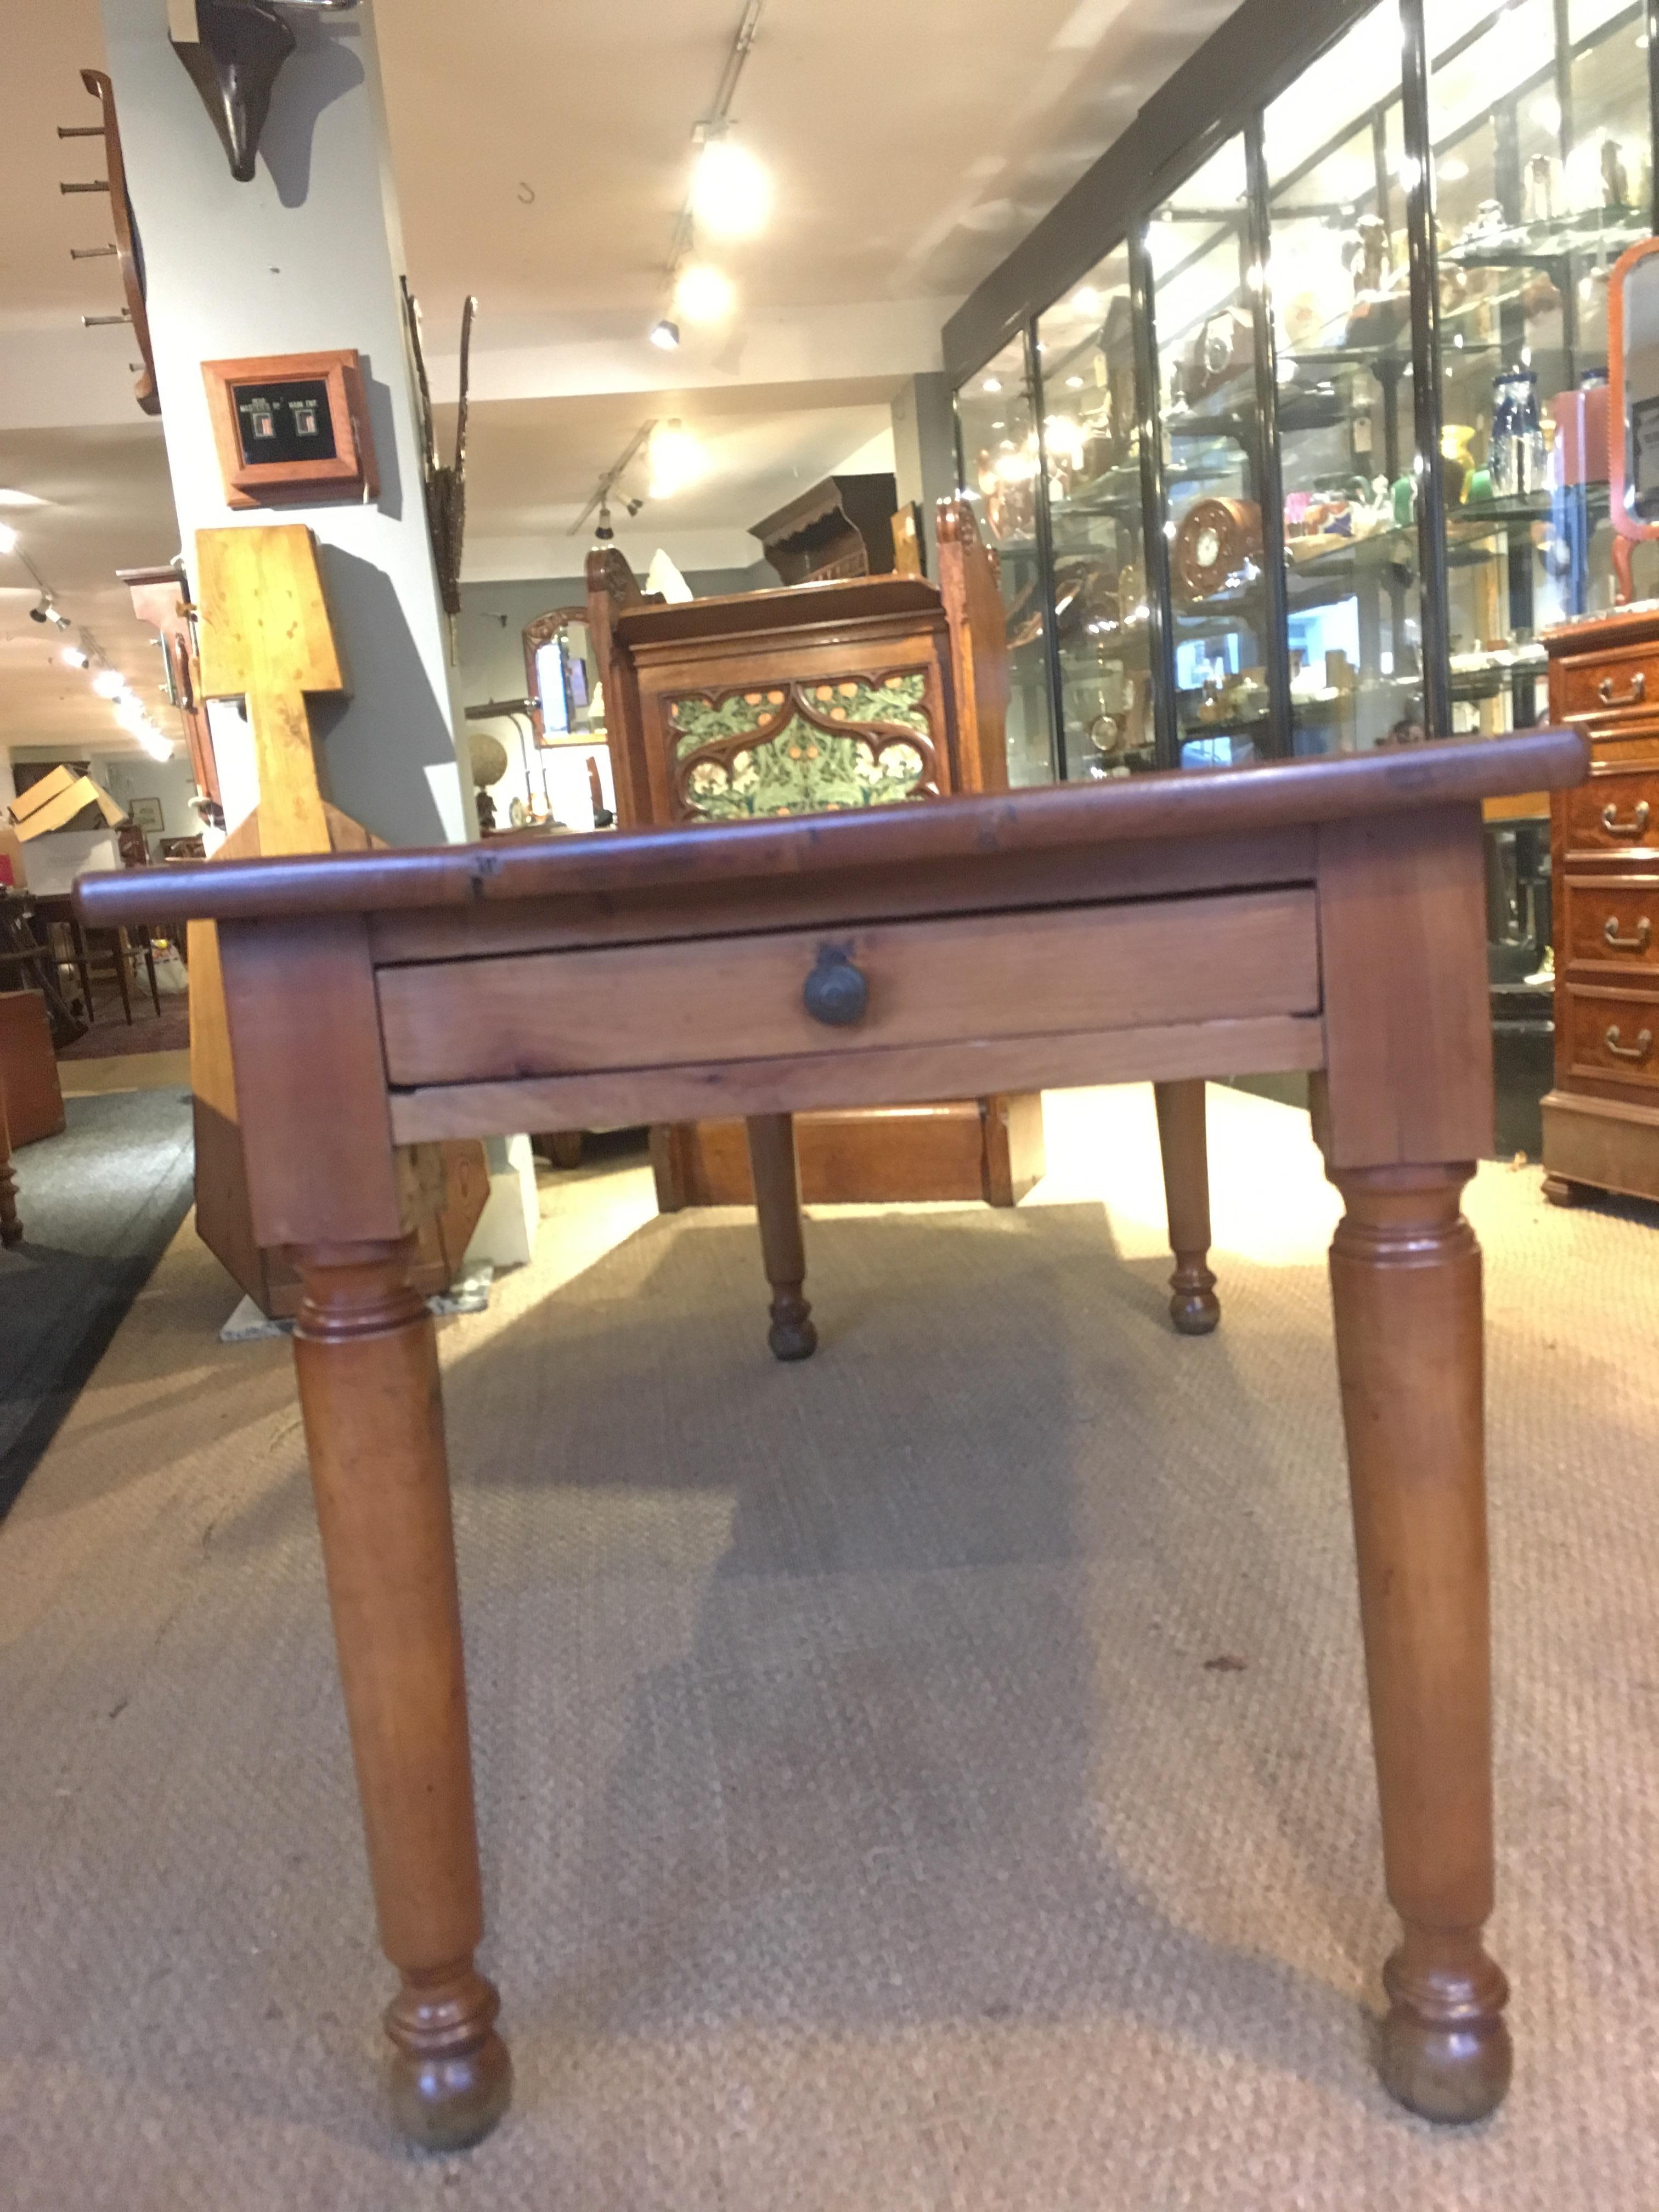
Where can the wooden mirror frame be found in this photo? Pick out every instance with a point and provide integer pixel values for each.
(536, 635)
(1628, 529)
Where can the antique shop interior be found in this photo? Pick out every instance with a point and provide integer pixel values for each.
(828, 1104)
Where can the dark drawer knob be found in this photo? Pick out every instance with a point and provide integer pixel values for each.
(835, 992)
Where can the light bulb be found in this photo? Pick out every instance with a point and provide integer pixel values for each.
(7, 538)
(155, 742)
(109, 684)
(665, 334)
(72, 656)
(704, 294)
(1085, 301)
(731, 193)
(676, 460)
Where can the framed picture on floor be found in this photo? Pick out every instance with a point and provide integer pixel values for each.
(146, 814)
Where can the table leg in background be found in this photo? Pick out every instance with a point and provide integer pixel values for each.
(1193, 1306)
(777, 1200)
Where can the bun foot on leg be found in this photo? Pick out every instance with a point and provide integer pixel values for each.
(1444, 2049)
(1193, 1306)
(451, 2076)
(791, 1335)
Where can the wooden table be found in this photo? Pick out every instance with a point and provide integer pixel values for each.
(1322, 915)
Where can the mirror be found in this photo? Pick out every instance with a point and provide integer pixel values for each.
(567, 718)
(1633, 408)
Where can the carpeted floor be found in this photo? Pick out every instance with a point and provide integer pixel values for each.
(863, 1828)
(99, 1205)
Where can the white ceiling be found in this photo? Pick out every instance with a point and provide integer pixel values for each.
(542, 150)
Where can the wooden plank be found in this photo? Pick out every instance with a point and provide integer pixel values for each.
(1184, 805)
(310, 1085)
(1016, 879)
(1403, 928)
(928, 982)
(267, 638)
(1269, 1045)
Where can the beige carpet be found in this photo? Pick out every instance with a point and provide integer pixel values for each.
(863, 1827)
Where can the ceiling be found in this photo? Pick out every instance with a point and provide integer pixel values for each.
(108, 503)
(541, 151)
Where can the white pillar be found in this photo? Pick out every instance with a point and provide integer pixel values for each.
(306, 258)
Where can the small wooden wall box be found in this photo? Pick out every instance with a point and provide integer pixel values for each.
(292, 429)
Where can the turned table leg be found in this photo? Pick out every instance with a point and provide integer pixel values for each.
(1406, 1286)
(367, 1366)
(777, 1200)
(1193, 1306)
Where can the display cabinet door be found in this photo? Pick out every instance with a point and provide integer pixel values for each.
(1342, 308)
(1001, 462)
(1543, 160)
(1203, 273)
(1100, 602)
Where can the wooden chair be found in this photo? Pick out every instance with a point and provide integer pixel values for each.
(832, 697)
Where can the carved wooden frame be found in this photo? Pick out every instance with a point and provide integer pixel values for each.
(798, 706)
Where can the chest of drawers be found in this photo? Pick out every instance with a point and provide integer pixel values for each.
(1601, 1119)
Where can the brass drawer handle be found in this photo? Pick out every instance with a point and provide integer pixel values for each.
(1635, 827)
(1639, 942)
(835, 992)
(1639, 1050)
(1637, 694)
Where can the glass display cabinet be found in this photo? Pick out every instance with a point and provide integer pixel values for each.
(1300, 440)
(1290, 422)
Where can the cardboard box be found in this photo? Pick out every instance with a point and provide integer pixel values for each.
(54, 802)
(14, 875)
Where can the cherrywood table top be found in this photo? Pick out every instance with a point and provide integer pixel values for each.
(1172, 805)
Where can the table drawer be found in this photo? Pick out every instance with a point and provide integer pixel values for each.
(1607, 684)
(1065, 969)
(1613, 921)
(1614, 813)
(1614, 1035)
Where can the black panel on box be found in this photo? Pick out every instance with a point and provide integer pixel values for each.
(284, 422)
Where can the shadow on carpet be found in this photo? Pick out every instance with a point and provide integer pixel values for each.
(99, 1206)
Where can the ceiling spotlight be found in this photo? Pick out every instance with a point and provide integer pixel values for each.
(633, 506)
(731, 193)
(703, 294)
(43, 611)
(109, 684)
(676, 460)
(665, 334)
(603, 533)
(75, 656)
(7, 538)
(155, 742)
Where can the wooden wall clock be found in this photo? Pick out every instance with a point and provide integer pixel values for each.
(292, 429)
